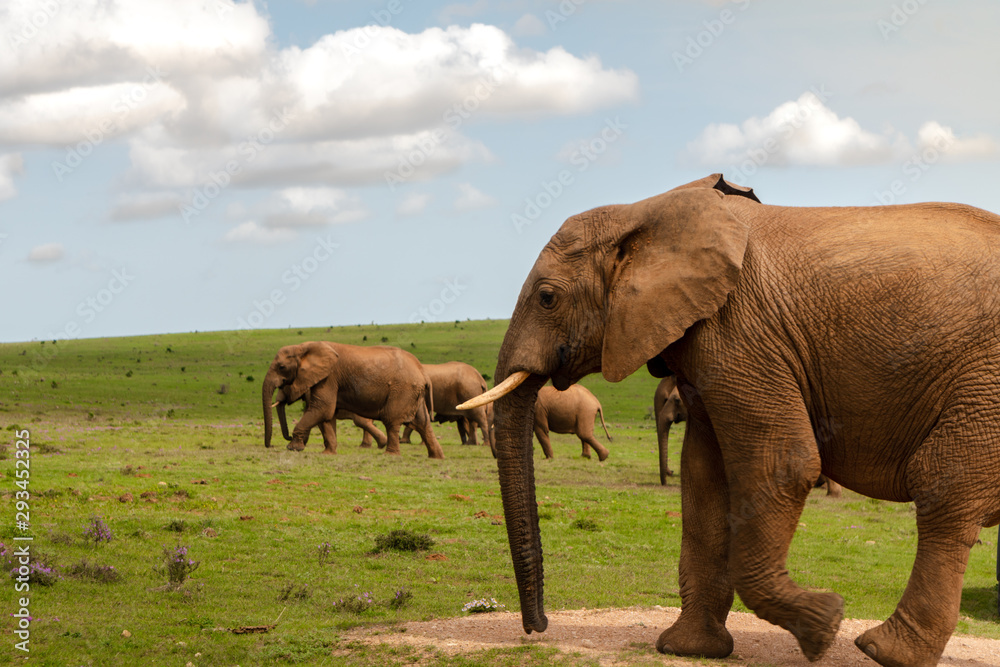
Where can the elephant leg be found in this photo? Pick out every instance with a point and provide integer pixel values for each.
(329, 430)
(422, 424)
(949, 517)
(590, 441)
(370, 431)
(406, 434)
(300, 434)
(470, 431)
(542, 433)
(479, 420)
(705, 583)
(768, 490)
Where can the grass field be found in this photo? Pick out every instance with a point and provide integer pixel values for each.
(159, 438)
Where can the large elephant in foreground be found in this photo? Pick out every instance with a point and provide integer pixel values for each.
(860, 343)
(571, 411)
(668, 409)
(455, 382)
(378, 382)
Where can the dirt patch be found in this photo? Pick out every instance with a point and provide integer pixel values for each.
(612, 635)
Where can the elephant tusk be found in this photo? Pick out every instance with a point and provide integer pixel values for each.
(275, 404)
(502, 389)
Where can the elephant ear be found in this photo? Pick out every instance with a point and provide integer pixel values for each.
(316, 362)
(679, 255)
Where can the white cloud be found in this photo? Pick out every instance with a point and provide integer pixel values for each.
(49, 252)
(312, 207)
(934, 136)
(51, 46)
(251, 232)
(472, 199)
(413, 204)
(530, 25)
(193, 85)
(806, 132)
(802, 132)
(10, 164)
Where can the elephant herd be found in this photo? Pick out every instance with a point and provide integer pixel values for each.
(387, 384)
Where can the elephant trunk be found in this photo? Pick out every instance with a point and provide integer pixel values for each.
(282, 421)
(271, 381)
(514, 419)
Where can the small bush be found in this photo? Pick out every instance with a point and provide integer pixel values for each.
(97, 531)
(358, 604)
(41, 567)
(586, 524)
(324, 552)
(402, 540)
(102, 574)
(293, 592)
(177, 526)
(177, 566)
(400, 599)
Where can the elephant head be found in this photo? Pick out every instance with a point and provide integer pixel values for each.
(294, 371)
(613, 288)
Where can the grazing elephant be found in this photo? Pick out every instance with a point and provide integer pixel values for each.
(857, 342)
(455, 382)
(668, 409)
(570, 411)
(329, 429)
(378, 382)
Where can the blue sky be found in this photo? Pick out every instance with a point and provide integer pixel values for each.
(171, 166)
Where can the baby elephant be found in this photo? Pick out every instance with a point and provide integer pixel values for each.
(668, 409)
(570, 411)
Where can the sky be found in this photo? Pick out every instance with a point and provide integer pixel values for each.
(194, 165)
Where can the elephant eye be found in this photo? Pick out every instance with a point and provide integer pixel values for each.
(546, 298)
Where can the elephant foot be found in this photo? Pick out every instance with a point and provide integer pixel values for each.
(707, 640)
(329, 452)
(403, 441)
(816, 625)
(895, 644)
(296, 446)
(602, 454)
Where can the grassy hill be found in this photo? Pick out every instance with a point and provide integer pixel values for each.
(158, 438)
(217, 375)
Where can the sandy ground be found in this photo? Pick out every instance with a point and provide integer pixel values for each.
(611, 635)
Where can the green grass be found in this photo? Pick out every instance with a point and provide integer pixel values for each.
(148, 417)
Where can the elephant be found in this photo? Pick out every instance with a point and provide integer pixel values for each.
(455, 382)
(329, 429)
(378, 382)
(667, 409)
(569, 411)
(860, 343)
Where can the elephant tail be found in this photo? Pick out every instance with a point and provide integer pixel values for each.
(600, 411)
